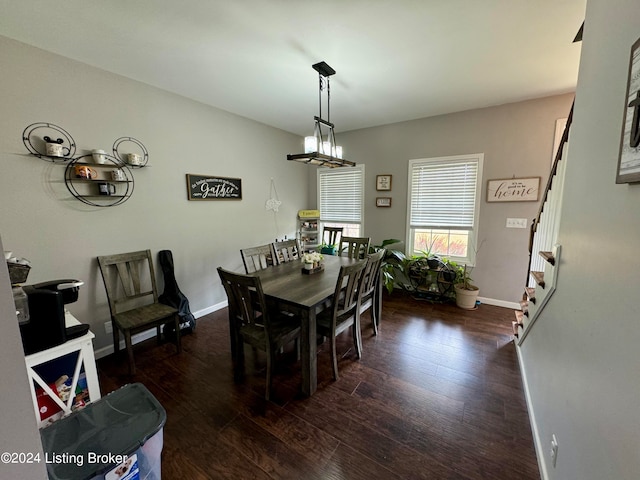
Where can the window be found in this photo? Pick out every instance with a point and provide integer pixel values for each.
(341, 198)
(444, 202)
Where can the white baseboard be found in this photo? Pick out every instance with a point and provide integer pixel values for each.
(499, 303)
(141, 337)
(537, 441)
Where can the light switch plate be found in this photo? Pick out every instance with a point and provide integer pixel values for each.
(516, 223)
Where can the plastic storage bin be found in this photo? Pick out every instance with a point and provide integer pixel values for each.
(119, 437)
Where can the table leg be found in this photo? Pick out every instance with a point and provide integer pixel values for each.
(309, 357)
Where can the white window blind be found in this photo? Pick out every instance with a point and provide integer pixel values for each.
(444, 193)
(341, 196)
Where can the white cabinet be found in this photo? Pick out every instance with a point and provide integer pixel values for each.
(308, 233)
(73, 366)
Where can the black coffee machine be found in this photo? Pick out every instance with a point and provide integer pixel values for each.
(46, 326)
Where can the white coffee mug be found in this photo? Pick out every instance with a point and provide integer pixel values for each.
(134, 159)
(118, 175)
(54, 150)
(98, 156)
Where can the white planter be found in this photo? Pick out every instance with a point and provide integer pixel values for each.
(466, 298)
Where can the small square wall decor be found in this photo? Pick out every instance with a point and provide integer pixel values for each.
(383, 182)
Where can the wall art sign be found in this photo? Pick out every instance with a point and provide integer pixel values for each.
(209, 187)
(383, 201)
(513, 189)
(383, 182)
(629, 158)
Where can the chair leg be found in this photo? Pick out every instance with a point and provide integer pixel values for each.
(374, 319)
(129, 347)
(158, 336)
(334, 357)
(116, 339)
(357, 336)
(270, 355)
(178, 339)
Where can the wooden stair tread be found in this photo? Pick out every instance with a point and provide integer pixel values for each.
(538, 277)
(524, 306)
(519, 317)
(548, 256)
(531, 294)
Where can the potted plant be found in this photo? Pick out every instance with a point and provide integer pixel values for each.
(466, 291)
(392, 264)
(327, 249)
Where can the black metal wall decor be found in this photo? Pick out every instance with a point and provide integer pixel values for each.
(97, 179)
(38, 137)
(125, 157)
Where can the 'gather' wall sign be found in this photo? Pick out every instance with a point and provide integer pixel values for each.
(203, 187)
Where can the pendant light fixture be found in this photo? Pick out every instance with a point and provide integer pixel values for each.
(319, 149)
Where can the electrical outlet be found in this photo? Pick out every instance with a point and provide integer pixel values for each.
(108, 328)
(554, 450)
(516, 223)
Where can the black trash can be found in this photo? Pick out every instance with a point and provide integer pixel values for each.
(119, 437)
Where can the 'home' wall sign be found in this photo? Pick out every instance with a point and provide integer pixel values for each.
(513, 189)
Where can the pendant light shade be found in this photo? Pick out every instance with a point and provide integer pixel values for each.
(321, 149)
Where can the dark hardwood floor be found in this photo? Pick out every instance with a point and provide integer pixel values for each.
(436, 395)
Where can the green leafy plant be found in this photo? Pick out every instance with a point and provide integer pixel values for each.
(463, 278)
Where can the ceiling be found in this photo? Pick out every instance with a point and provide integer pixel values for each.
(395, 60)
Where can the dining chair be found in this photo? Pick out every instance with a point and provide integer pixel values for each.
(344, 311)
(253, 323)
(330, 235)
(371, 291)
(286, 251)
(258, 258)
(130, 283)
(354, 247)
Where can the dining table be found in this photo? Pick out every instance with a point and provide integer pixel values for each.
(304, 295)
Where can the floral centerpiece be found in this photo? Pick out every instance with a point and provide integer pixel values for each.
(312, 261)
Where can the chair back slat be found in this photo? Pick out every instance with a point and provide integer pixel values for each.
(128, 278)
(247, 304)
(346, 300)
(258, 258)
(286, 251)
(372, 272)
(331, 234)
(355, 247)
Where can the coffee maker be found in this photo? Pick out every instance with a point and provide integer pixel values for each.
(45, 327)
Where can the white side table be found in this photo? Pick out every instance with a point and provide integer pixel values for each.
(84, 346)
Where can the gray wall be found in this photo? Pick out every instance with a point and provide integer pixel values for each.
(516, 139)
(581, 357)
(62, 237)
(17, 422)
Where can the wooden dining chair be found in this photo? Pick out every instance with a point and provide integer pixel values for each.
(354, 247)
(253, 323)
(130, 282)
(344, 311)
(371, 289)
(258, 258)
(286, 251)
(330, 235)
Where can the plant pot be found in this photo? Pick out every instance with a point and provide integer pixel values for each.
(434, 263)
(466, 299)
(328, 250)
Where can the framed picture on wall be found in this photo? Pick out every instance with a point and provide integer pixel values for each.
(629, 158)
(383, 201)
(383, 182)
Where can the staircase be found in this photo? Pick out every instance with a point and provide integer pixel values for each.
(544, 251)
